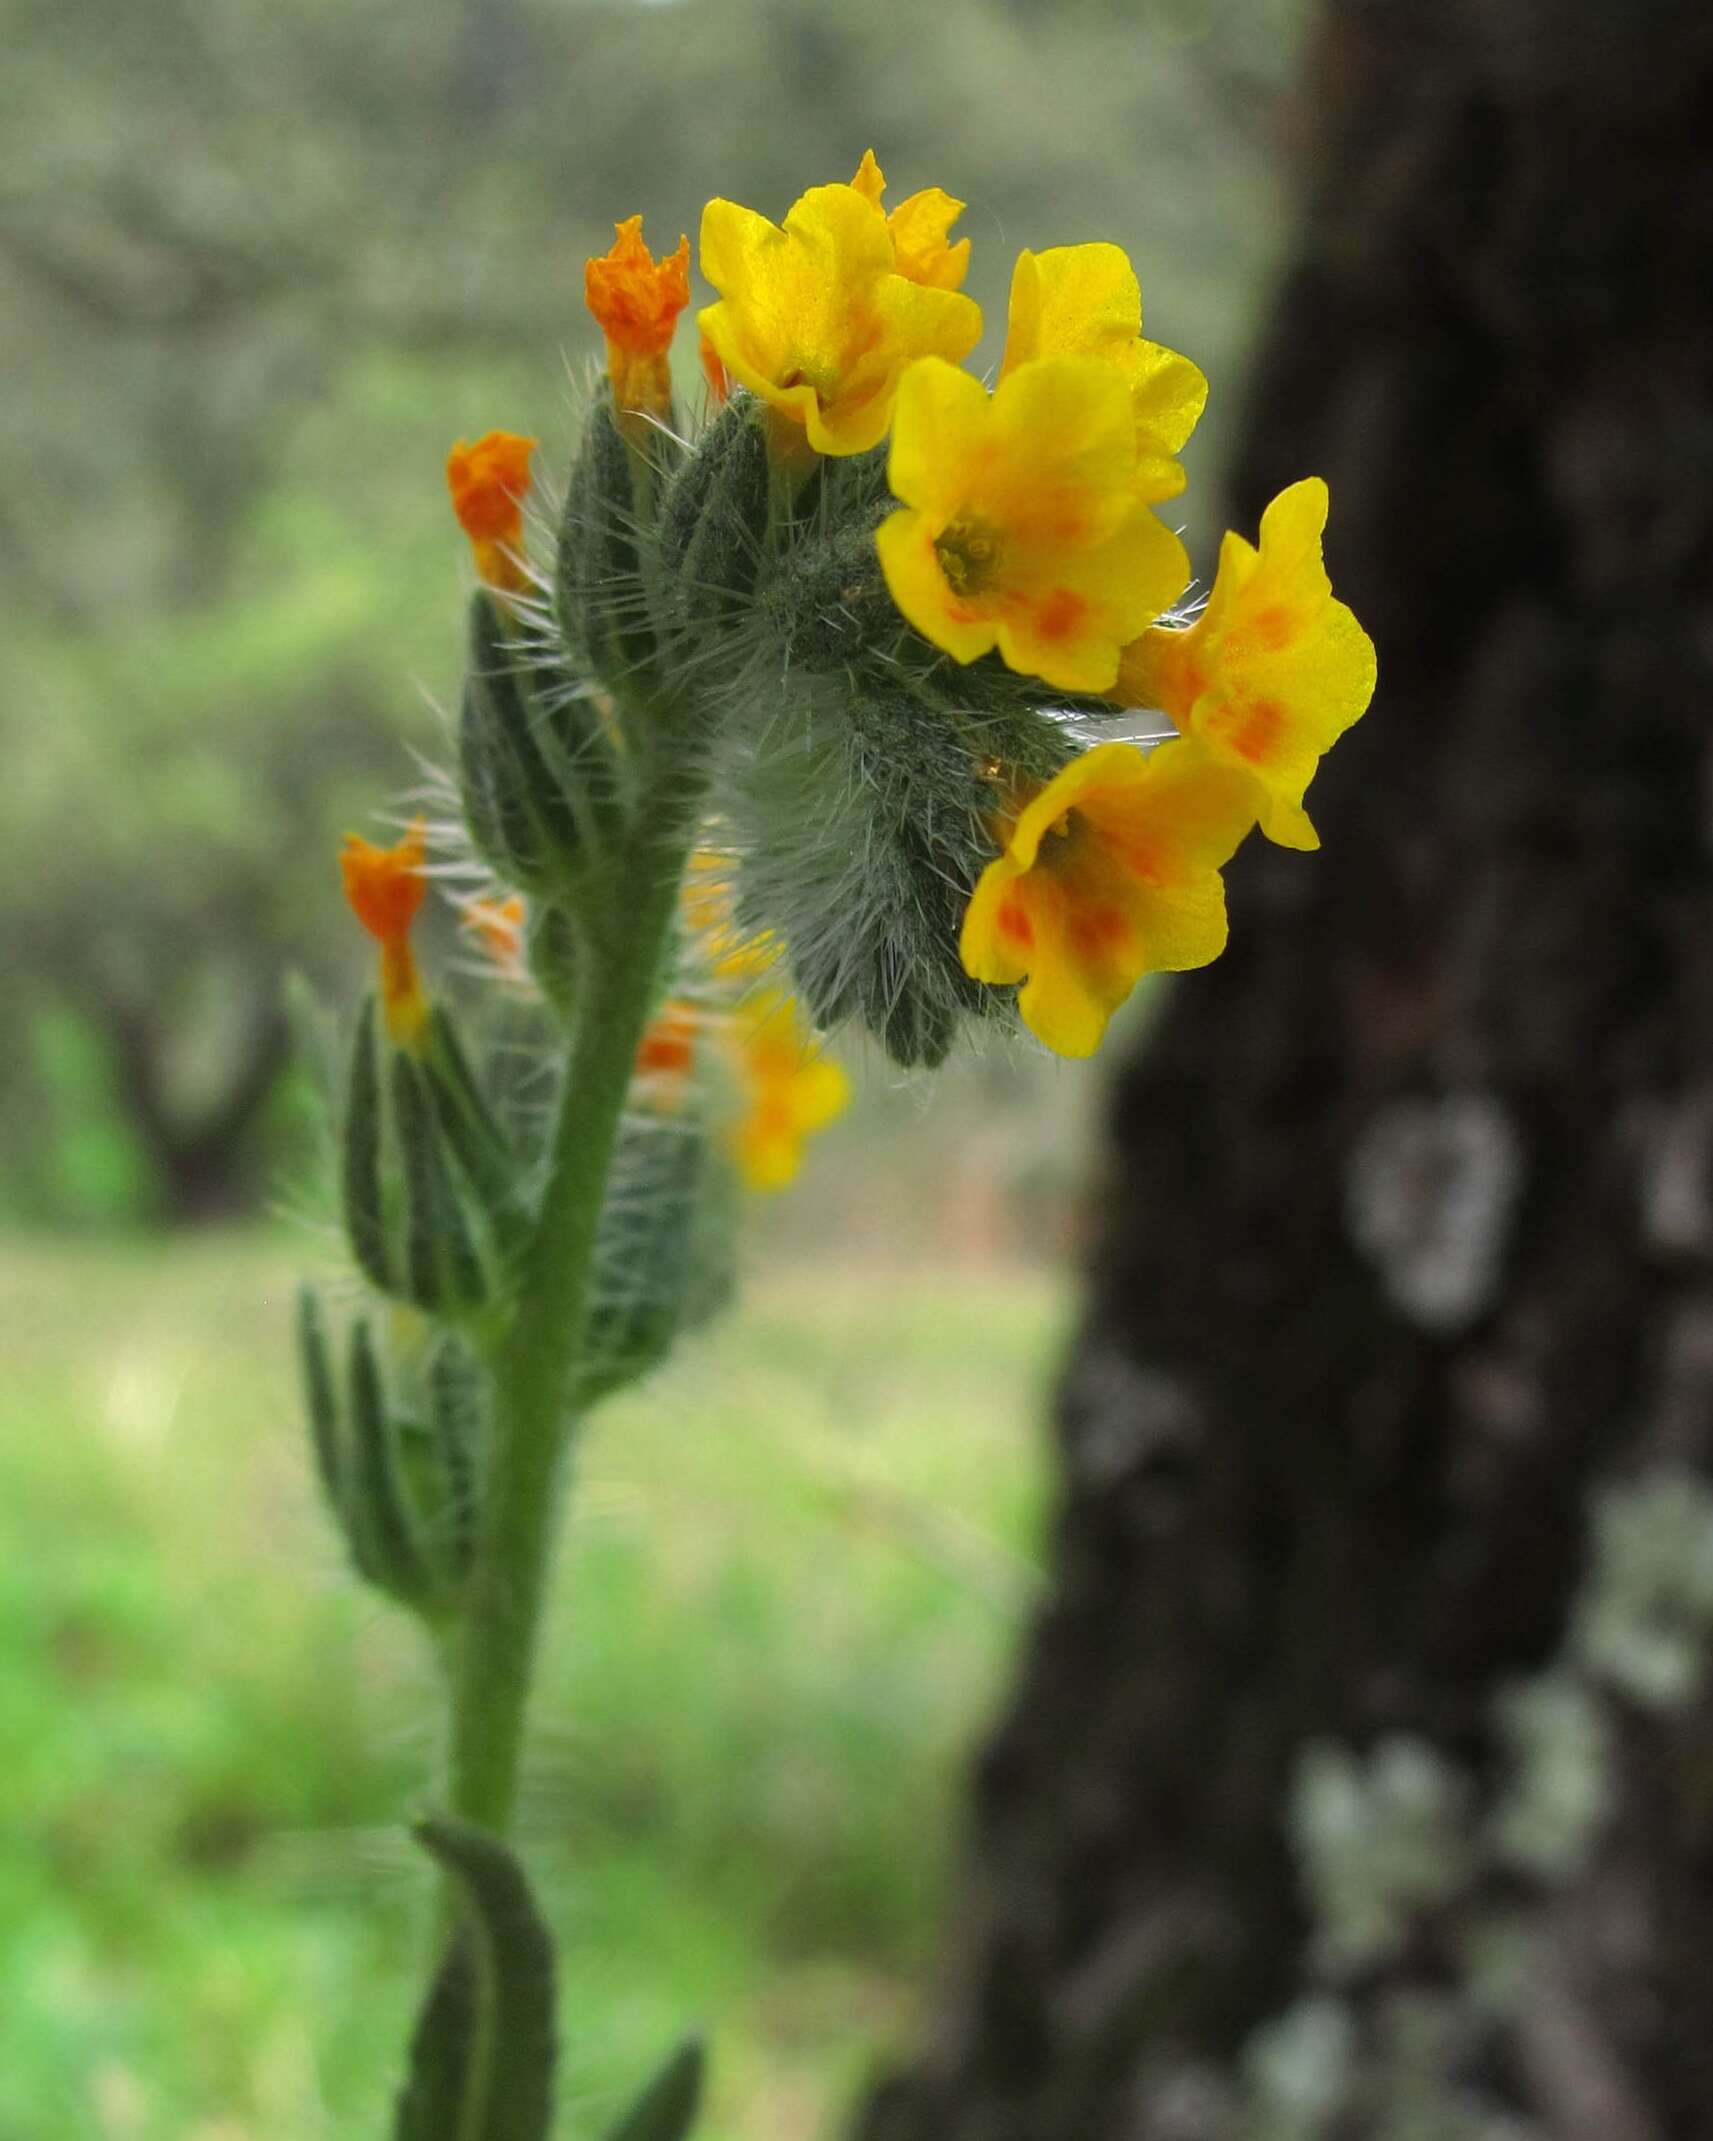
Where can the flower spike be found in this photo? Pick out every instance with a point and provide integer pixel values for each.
(1022, 527)
(815, 317)
(384, 887)
(1273, 671)
(636, 301)
(1110, 872)
(489, 482)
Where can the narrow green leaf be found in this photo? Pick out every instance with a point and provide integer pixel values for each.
(666, 2109)
(427, 1205)
(484, 1162)
(431, 2103)
(508, 2068)
(379, 1520)
(320, 1398)
(360, 1170)
(467, 1120)
(455, 1409)
(523, 748)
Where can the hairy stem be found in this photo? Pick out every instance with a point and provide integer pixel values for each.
(532, 1420)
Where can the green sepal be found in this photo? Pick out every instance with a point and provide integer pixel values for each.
(320, 1395)
(490, 786)
(825, 601)
(484, 2052)
(715, 517)
(665, 1253)
(361, 1159)
(553, 954)
(667, 2108)
(455, 1422)
(425, 1194)
(443, 1267)
(867, 840)
(379, 1519)
(603, 599)
(540, 767)
(471, 1131)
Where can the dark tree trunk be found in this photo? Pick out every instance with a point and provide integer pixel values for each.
(1359, 1771)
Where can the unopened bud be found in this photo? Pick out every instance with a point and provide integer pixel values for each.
(538, 773)
(432, 1195)
(714, 519)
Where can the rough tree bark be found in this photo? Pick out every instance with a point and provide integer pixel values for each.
(1408, 1247)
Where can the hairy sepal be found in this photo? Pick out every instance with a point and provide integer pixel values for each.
(865, 815)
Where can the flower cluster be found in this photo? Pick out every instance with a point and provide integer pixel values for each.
(888, 626)
(1025, 526)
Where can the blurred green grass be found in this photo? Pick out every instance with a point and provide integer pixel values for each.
(795, 1574)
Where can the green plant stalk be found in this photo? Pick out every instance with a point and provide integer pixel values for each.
(494, 1650)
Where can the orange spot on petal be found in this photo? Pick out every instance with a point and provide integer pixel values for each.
(1060, 614)
(1096, 931)
(1014, 924)
(1253, 730)
(1272, 628)
(1141, 863)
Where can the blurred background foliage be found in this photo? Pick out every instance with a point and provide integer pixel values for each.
(260, 262)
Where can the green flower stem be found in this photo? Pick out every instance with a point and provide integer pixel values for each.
(533, 1427)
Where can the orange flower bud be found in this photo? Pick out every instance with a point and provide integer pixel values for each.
(636, 301)
(497, 926)
(384, 888)
(666, 1054)
(489, 482)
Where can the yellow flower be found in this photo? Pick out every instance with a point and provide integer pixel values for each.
(1022, 526)
(790, 1090)
(636, 301)
(1110, 872)
(815, 317)
(489, 482)
(384, 887)
(1085, 301)
(709, 911)
(920, 251)
(1273, 671)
